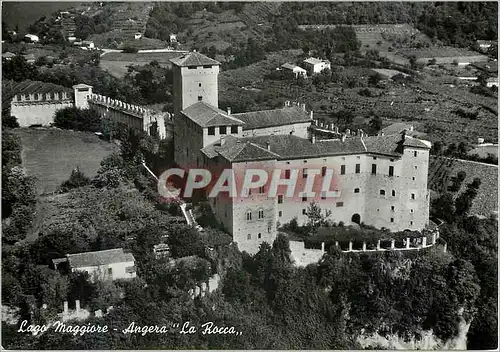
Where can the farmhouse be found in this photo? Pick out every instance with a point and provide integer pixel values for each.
(484, 45)
(296, 70)
(378, 180)
(314, 65)
(111, 264)
(32, 38)
(8, 56)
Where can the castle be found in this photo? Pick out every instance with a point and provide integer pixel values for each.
(35, 103)
(379, 180)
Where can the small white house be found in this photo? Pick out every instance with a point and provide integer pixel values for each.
(32, 38)
(296, 70)
(111, 264)
(137, 36)
(492, 81)
(173, 38)
(315, 65)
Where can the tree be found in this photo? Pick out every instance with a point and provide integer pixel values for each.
(315, 217)
(185, 241)
(374, 79)
(444, 207)
(76, 179)
(376, 123)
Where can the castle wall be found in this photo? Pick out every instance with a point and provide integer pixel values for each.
(297, 129)
(41, 113)
(188, 140)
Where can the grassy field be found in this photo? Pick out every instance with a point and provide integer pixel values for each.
(51, 154)
(487, 198)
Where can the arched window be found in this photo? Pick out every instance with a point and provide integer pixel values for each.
(261, 214)
(393, 193)
(249, 215)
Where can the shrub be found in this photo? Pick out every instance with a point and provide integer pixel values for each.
(78, 119)
(76, 179)
(130, 50)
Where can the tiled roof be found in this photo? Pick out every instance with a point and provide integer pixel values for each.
(207, 115)
(269, 118)
(391, 144)
(81, 85)
(11, 88)
(289, 66)
(314, 61)
(238, 150)
(283, 147)
(109, 256)
(290, 146)
(193, 59)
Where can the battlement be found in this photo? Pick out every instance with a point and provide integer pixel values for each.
(119, 105)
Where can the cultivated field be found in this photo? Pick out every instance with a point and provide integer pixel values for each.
(117, 63)
(487, 198)
(51, 154)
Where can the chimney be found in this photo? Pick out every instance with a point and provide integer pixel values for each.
(77, 305)
(411, 128)
(348, 132)
(311, 114)
(361, 133)
(313, 138)
(65, 310)
(403, 135)
(222, 140)
(229, 110)
(268, 146)
(343, 138)
(303, 107)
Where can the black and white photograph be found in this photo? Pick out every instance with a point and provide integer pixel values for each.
(182, 175)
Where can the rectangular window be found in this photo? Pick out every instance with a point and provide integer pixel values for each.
(110, 271)
(211, 131)
(411, 222)
(374, 169)
(249, 215)
(358, 168)
(199, 85)
(323, 195)
(374, 158)
(222, 129)
(261, 214)
(280, 198)
(323, 171)
(261, 189)
(280, 213)
(392, 219)
(356, 190)
(200, 98)
(287, 174)
(415, 153)
(413, 196)
(391, 170)
(342, 169)
(234, 129)
(304, 173)
(207, 66)
(392, 207)
(304, 212)
(340, 204)
(304, 199)
(249, 237)
(382, 192)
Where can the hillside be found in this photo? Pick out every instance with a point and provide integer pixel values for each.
(486, 200)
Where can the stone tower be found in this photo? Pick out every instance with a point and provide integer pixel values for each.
(195, 79)
(83, 93)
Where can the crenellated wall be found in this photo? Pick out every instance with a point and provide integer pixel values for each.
(134, 116)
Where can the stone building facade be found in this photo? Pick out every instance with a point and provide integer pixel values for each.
(377, 180)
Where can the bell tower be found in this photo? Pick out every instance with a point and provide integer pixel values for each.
(195, 79)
